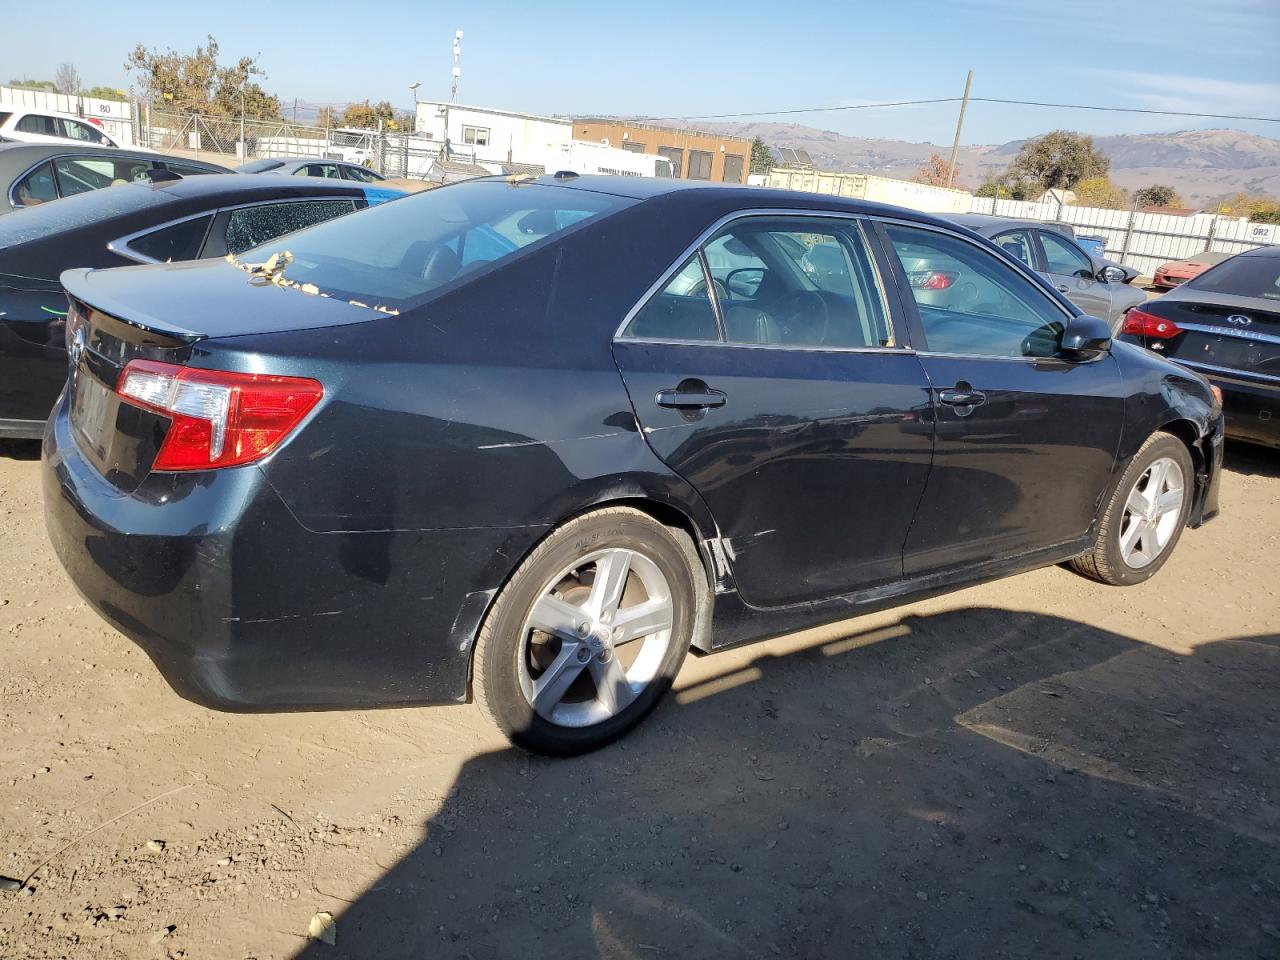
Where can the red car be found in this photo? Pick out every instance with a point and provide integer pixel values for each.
(1177, 272)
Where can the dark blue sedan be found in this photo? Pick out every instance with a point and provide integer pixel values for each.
(529, 442)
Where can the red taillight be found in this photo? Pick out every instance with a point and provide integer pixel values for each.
(933, 279)
(1139, 323)
(220, 419)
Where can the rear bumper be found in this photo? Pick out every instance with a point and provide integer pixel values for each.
(242, 608)
(1212, 448)
(1251, 408)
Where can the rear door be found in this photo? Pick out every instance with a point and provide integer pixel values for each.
(1025, 442)
(796, 410)
(1071, 271)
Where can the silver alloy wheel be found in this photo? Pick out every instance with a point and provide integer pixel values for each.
(595, 637)
(1152, 513)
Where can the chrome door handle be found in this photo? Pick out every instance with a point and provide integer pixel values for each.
(690, 400)
(962, 398)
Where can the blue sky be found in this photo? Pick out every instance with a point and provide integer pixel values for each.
(671, 60)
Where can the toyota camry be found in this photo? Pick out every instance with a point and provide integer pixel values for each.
(528, 442)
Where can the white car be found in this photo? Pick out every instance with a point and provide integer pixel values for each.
(49, 126)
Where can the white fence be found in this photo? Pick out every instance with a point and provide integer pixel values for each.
(1143, 240)
(116, 116)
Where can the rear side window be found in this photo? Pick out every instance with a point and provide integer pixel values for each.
(395, 253)
(39, 124)
(180, 241)
(1242, 276)
(183, 169)
(327, 170)
(36, 187)
(361, 175)
(81, 174)
(973, 303)
(249, 226)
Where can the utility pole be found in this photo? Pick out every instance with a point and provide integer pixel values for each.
(955, 144)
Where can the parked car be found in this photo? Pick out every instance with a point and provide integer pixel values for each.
(422, 465)
(1099, 289)
(311, 167)
(1175, 272)
(1225, 324)
(32, 173)
(181, 219)
(28, 125)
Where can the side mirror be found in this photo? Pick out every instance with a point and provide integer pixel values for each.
(1085, 338)
(1111, 274)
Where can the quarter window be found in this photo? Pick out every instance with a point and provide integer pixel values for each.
(699, 165)
(681, 310)
(249, 226)
(1063, 257)
(181, 241)
(36, 187)
(971, 302)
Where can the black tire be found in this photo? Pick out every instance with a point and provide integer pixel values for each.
(501, 644)
(1106, 562)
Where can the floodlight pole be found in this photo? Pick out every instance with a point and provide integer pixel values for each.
(955, 144)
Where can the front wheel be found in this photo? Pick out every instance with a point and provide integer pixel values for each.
(1145, 516)
(590, 631)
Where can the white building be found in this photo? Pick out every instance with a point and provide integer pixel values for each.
(486, 135)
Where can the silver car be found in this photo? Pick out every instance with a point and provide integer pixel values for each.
(1094, 285)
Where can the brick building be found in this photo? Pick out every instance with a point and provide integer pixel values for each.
(694, 154)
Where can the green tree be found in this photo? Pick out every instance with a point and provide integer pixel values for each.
(761, 156)
(1256, 208)
(1100, 192)
(67, 79)
(198, 83)
(1157, 195)
(104, 93)
(365, 115)
(1059, 159)
(1006, 189)
(34, 85)
(935, 171)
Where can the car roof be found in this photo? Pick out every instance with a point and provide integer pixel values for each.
(1260, 252)
(730, 195)
(984, 222)
(246, 186)
(16, 108)
(21, 155)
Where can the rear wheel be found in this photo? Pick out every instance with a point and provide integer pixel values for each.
(590, 631)
(1145, 516)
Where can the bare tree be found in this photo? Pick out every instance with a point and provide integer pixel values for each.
(67, 79)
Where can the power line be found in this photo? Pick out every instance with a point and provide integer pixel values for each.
(1019, 103)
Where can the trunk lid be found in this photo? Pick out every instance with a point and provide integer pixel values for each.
(160, 313)
(1228, 332)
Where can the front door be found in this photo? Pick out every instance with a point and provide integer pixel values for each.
(790, 405)
(1025, 441)
(1072, 272)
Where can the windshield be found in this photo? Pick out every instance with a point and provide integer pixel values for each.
(392, 255)
(46, 219)
(1241, 276)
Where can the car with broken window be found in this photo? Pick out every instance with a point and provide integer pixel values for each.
(172, 219)
(528, 442)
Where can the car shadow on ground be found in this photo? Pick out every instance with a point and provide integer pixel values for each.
(976, 783)
(20, 449)
(1252, 460)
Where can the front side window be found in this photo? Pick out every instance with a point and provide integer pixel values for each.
(477, 136)
(81, 174)
(250, 226)
(36, 187)
(75, 130)
(699, 165)
(682, 310)
(971, 302)
(1063, 257)
(361, 174)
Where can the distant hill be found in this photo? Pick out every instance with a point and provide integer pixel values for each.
(1202, 165)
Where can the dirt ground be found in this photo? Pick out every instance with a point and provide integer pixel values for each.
(1038, 767)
